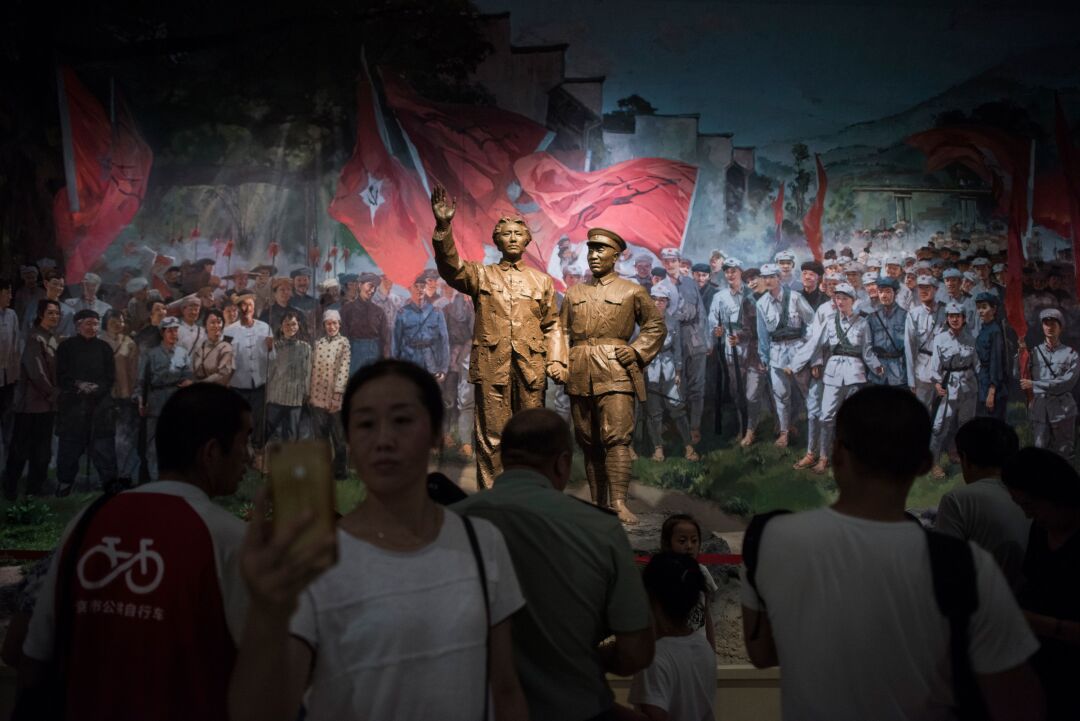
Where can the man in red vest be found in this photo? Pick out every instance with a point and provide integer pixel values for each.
(143, 606)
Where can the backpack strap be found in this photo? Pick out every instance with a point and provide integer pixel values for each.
(470, 531)
(750, 552)
(952, 566)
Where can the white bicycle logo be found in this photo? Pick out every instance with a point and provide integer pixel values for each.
(134, 566)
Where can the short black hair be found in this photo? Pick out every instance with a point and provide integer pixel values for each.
(426, 386)
(42, 306)
(109, 315)
(887, 431)
(1043, 474)
(290, 313)
(676, 582)
(534, 436)
(987, 442)
(152, 302)
(193, 417)
(213, 311)
(5, 284)
(668, 529)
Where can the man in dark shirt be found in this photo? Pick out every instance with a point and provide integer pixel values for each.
(275, 312)
(301, 298)
(85, 372)
(993, 365)
(150, 336)
(812, 272)
(364, 324)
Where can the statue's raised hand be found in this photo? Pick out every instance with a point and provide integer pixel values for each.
(442, 207)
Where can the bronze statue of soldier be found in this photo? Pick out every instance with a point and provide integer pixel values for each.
(516, 337)
(606, 370)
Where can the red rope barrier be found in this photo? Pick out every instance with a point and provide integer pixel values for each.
(708, 559)
(20, 555)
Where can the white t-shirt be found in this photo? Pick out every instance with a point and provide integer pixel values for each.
(681, 679)
(857, 628)
(400, 635)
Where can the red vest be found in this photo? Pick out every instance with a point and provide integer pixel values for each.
(149, 638)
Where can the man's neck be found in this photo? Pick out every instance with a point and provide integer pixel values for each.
(1052, 343)
(247, 322)
(874, 500)
(736, 287)
(775, 292)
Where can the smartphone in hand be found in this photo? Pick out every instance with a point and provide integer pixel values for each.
(302, 480)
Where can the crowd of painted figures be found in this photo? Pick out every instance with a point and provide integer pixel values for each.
(644, 351)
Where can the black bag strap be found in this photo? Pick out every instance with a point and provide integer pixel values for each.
(752, 546)
(479, 558)
(952, 566)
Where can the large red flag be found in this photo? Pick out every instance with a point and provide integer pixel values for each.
(470, 150)
(778, 211)
(646, 200)
(812, 221)
(1070, 169)
(379, 200)
(112, 167)
(1003, 161)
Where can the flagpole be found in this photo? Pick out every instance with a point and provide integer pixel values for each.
(67, 143)
(1030, 199)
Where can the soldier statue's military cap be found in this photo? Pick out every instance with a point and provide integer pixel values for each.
(855, 267)
(28, 270)
(954, 308)
(91, 279)
(869, 278)
(998, 268)
(87, 313)
(785, 255)
(607, 237)
(834, 277)
(670, 254)
(364, 278)
(988, 297)
(769, 269)
(952, 273)
(927, 280)
(814, 266)
(873, 262)
(700, 268)
(937, 263)
(1052, 314)
(297, 272)
(887, 282)
(976, 262)
(971, 276)
(732, 263)
(845, 289)
(894, 260)
(170, 322)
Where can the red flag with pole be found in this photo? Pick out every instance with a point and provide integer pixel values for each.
(647, 200)
(112, 166)
(377, 199)
(778, 212)
(471, 151)
(812, 220)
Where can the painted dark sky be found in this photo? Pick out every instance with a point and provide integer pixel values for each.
(770, 71)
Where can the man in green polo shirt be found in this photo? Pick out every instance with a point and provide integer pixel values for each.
(576, 570)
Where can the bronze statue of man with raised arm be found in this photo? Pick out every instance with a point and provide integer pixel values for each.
(516, 337)
(606, 368)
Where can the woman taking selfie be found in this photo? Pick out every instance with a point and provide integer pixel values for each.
(402, 626)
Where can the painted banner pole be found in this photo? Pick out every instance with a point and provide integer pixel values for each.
(67, 143)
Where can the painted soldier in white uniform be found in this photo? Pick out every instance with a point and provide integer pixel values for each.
(816, 387)
(953, 365)
(924, 321)
(1053, 375)
(732, 317)
(782, 318)
(844, 339)
(663, 383)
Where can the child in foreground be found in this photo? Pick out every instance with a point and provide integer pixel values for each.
(681, 533)
(680, 683)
